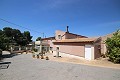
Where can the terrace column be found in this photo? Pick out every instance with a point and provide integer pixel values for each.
(19, 48)
(40, 50)
(11, 48)
(26, 48)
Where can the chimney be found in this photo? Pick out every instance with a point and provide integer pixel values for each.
(67, 29)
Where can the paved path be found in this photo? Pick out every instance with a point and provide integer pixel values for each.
(24, 67)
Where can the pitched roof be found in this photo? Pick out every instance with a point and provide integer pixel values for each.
(49, 38)
(77, 35)
(77, 40)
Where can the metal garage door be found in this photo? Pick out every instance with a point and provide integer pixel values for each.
(88, 52)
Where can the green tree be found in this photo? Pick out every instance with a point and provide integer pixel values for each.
(1, 32)
(7, 37)
(113, 47)
(23, 39)
(10, 36)
(7, 31)
(2, 45)
(27, 36)
(16, 34)
(38, 39)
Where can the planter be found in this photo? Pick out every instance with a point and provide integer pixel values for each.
(42, 57)
(47, 58)
(38, 56)
(33, 55)
(26, 52)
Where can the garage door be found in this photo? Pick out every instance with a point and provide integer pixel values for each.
(88, 52)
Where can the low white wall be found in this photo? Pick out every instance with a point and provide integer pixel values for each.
(67, 55)
(54, 53)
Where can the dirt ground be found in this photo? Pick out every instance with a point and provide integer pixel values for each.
(101, 62)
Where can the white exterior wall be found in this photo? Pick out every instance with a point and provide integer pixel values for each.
(70, 56)
(59, 33)
(66, 55)
(54, 53)
(92, 53)
(62, 54)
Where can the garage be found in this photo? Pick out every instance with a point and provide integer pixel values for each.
(82, 47)
(88, 52)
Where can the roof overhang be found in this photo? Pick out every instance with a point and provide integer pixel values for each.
(78, 40)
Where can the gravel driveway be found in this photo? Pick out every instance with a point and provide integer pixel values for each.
(24, 67)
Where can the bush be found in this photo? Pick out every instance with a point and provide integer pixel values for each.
(113, 47)
(42, 57)
(37, 56)
(47, 58)
(33, 55)
(35, 50)
(115, 55)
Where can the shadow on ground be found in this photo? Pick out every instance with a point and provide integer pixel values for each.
(8, 55)
(4, 65)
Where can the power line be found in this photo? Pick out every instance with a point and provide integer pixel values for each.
(20, 26)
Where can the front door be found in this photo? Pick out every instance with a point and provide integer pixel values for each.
(88, 52)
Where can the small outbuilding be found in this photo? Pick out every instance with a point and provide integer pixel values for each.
(88, 48)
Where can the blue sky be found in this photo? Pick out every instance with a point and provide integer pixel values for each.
(85, 17)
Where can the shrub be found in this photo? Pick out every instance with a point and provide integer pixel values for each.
(35, 50)
(113, 47)
(37, 56)
(47, 58)
(42, 57)
(33, 55)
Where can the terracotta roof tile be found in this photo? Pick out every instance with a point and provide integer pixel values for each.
(49, 38)
(77, 40)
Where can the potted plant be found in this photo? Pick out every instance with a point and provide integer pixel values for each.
(47, 58)
(37, 56)
(33, 55)
(42, 57)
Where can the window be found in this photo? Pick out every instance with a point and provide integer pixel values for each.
(59, 36)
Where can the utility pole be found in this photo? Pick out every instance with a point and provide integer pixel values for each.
(43, 35)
